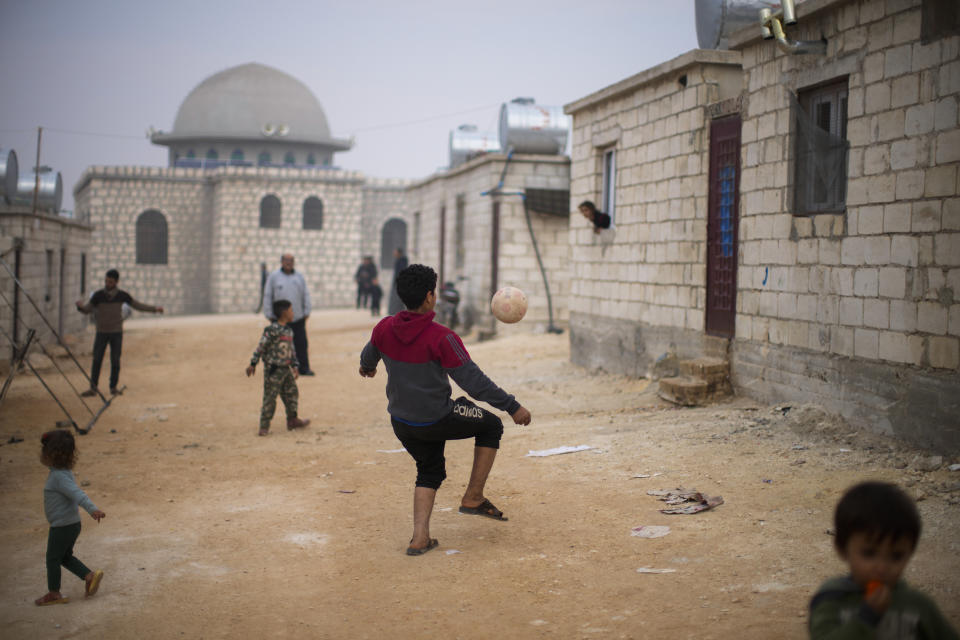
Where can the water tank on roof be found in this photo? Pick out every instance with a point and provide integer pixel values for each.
(466, 143)
(9, 172)
(530, 128)
(49, 195)
(717, 19)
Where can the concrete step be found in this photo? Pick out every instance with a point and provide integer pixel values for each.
(684, 390)
(701, 380)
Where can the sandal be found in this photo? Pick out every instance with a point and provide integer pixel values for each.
(433, 544)
(51, 599)
(94, 582)
(486, 509)
(264, 432)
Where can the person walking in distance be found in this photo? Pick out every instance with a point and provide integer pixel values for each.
(286, 283)
(108, 304)
(394, 303)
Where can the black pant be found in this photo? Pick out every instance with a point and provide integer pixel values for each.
(60, 552)
(299, 329)
(426, 443)
(100, 342)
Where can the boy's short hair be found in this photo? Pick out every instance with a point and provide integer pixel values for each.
(113, 273)
(279, 306)
(414, 283)
(879, 510)
(588, 204)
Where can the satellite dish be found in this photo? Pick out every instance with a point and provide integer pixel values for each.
(283, 130)
(268, 129)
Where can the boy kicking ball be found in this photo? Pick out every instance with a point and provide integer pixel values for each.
(877, 529)
(419, 355)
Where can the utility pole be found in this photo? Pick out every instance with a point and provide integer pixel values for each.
(36, 172)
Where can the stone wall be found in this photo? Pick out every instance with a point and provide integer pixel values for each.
(52, 251)
(383, 199)
(472, 269)
(854, 310)
(640, 286)
(870, 292)
(215, 243)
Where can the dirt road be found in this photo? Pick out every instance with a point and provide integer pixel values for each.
(212, 532)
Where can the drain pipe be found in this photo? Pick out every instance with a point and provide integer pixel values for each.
(770, 28)
(496, 191)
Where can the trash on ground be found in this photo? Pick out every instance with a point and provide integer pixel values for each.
(346, 491)
(799, 447)
(647, 475)
(680, 496)
(650, 570)
(954, 467)
(845, 450)
(557, 451)
(650, 531)
(450, 552)
(767, 481)
(401, 450)
(14, 440)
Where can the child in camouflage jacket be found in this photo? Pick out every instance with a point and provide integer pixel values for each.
(280, 369)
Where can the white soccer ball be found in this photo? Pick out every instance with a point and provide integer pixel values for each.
(509, 305)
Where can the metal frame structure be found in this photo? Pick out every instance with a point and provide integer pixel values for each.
(21, 357)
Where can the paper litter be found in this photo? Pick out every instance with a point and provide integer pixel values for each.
(649, 570)
(557, 451)
(650, 531)
(682, 496)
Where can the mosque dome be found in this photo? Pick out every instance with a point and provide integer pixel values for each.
(251, 103)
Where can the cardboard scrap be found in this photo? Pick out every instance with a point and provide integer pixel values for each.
(557, 451)
(699, 502)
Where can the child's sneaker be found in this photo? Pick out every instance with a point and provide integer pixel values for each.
(264, 432)
(296, 423)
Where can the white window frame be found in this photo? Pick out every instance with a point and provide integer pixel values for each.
(608, 183)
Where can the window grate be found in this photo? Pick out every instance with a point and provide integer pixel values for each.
(820, 118)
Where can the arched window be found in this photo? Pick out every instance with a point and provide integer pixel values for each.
(237, 155)
(392, 236)
(311, 159)
(270, 212)
(313, 213)
(212, 154)
(263, 158)
(289, 158)
(151, 238)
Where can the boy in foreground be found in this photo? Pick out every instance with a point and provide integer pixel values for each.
(419, 354)
(877, 529)
(279, 369)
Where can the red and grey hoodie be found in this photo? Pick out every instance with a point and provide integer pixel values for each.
(419, 354)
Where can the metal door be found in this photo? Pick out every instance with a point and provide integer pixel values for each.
(722, 223)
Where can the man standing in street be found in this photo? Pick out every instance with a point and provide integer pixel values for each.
(288, 284)
(108, 304)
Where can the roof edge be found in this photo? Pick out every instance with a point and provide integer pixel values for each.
(688, 59)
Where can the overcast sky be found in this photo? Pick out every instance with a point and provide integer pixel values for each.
(399, 76)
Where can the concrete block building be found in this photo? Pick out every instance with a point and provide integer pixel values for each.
(251, 176)
(790, 204)
(46, 252)
(477, 236)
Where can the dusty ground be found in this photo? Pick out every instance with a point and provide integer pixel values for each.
(212, 532)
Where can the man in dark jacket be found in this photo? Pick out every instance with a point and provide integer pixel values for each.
(108, 303)
(419, 354)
